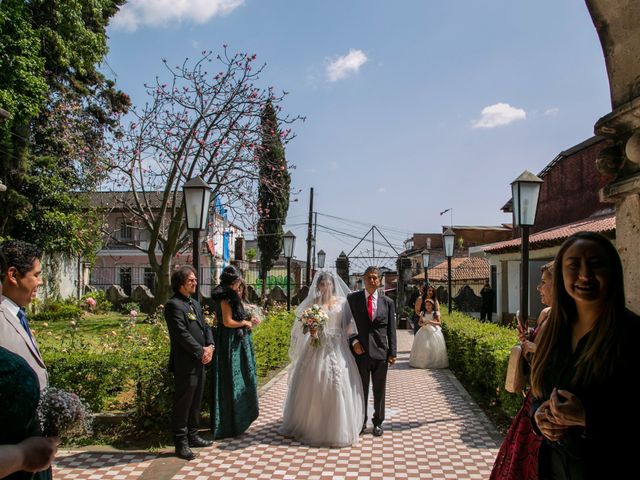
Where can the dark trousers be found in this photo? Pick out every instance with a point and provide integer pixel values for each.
(376, 371)
(416, 326)
(485, 312)
(186, 403)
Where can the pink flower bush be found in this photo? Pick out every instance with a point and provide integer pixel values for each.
(91, 303)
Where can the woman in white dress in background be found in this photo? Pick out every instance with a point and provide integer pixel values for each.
(324, 405)
(429, 349)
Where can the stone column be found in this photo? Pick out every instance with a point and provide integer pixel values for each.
(618, 34)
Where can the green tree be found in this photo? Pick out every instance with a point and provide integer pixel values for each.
(23, 92)
(273, 194)
(61, 110)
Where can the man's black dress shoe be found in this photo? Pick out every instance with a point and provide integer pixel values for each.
(197, 442)
(184, 452)
(377, 431)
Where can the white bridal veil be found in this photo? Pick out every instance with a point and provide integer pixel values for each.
(339, 293)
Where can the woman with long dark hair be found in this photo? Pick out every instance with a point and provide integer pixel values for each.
(584, 365)
(235, 388)
(518, 454)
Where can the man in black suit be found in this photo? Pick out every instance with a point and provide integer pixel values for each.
(191, 349)
(486, 308)
(375, 344)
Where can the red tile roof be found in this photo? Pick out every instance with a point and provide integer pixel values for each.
(462, 269)
(605, 224)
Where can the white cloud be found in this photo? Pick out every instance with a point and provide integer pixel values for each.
(341, 67)
(552, 111)
(137, 13)
(499, 115)
(382, 189)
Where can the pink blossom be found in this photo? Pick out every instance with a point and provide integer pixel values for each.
(133, 313)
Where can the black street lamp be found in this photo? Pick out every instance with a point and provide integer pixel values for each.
(288, 244)
(321, 258)
(449, 240)
(525, 190)
(425, 265)
(197, 196)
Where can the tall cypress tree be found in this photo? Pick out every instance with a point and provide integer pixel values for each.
(273, 194)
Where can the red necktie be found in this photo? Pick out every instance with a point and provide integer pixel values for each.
(370, 307)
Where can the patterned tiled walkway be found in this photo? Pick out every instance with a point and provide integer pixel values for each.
(433, 430)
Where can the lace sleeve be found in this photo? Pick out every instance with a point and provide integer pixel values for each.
(348, 323)
(297, 341)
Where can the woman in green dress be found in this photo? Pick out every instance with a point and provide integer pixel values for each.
(235, 389)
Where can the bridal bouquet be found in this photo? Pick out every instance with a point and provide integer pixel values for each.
(255, 313)
(63, 414)
(313, 320)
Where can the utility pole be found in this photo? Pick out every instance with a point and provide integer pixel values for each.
(309, 238)
(315, 231)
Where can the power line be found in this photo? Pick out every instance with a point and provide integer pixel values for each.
(351, 221)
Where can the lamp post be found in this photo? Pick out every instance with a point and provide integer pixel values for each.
(525, 190)
(197, 196)
(288, 243)
(425, 265)
(449, 240)
(321, 258)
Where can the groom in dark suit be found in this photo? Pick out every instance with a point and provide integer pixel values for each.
(375, 344)
(191, 349)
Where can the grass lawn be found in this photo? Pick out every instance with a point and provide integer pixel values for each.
(94, 332)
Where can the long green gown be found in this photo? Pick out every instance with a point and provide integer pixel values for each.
(235, 388)
(19, 397)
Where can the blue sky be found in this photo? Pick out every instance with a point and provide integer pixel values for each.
(412, 107)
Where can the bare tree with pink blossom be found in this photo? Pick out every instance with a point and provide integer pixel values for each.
(205, 120)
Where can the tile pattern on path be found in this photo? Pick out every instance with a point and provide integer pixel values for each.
(77, 465)
(433, 430)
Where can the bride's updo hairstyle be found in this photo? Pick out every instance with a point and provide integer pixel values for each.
(229, 275)
(326, 278)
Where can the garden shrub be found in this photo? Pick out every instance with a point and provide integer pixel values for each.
(102, 304)
(271, 340)
(57, 311)
(97, 378)
(128, 307)
(478, 354)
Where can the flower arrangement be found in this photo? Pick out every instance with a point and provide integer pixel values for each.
(313, 320)
(255, 313)
(63, 414)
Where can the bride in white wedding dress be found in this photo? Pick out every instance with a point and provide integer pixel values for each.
(324, 405)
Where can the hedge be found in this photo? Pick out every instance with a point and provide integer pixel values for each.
(271, 341)
(97, 378)
(56, 312)
(478, 355)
